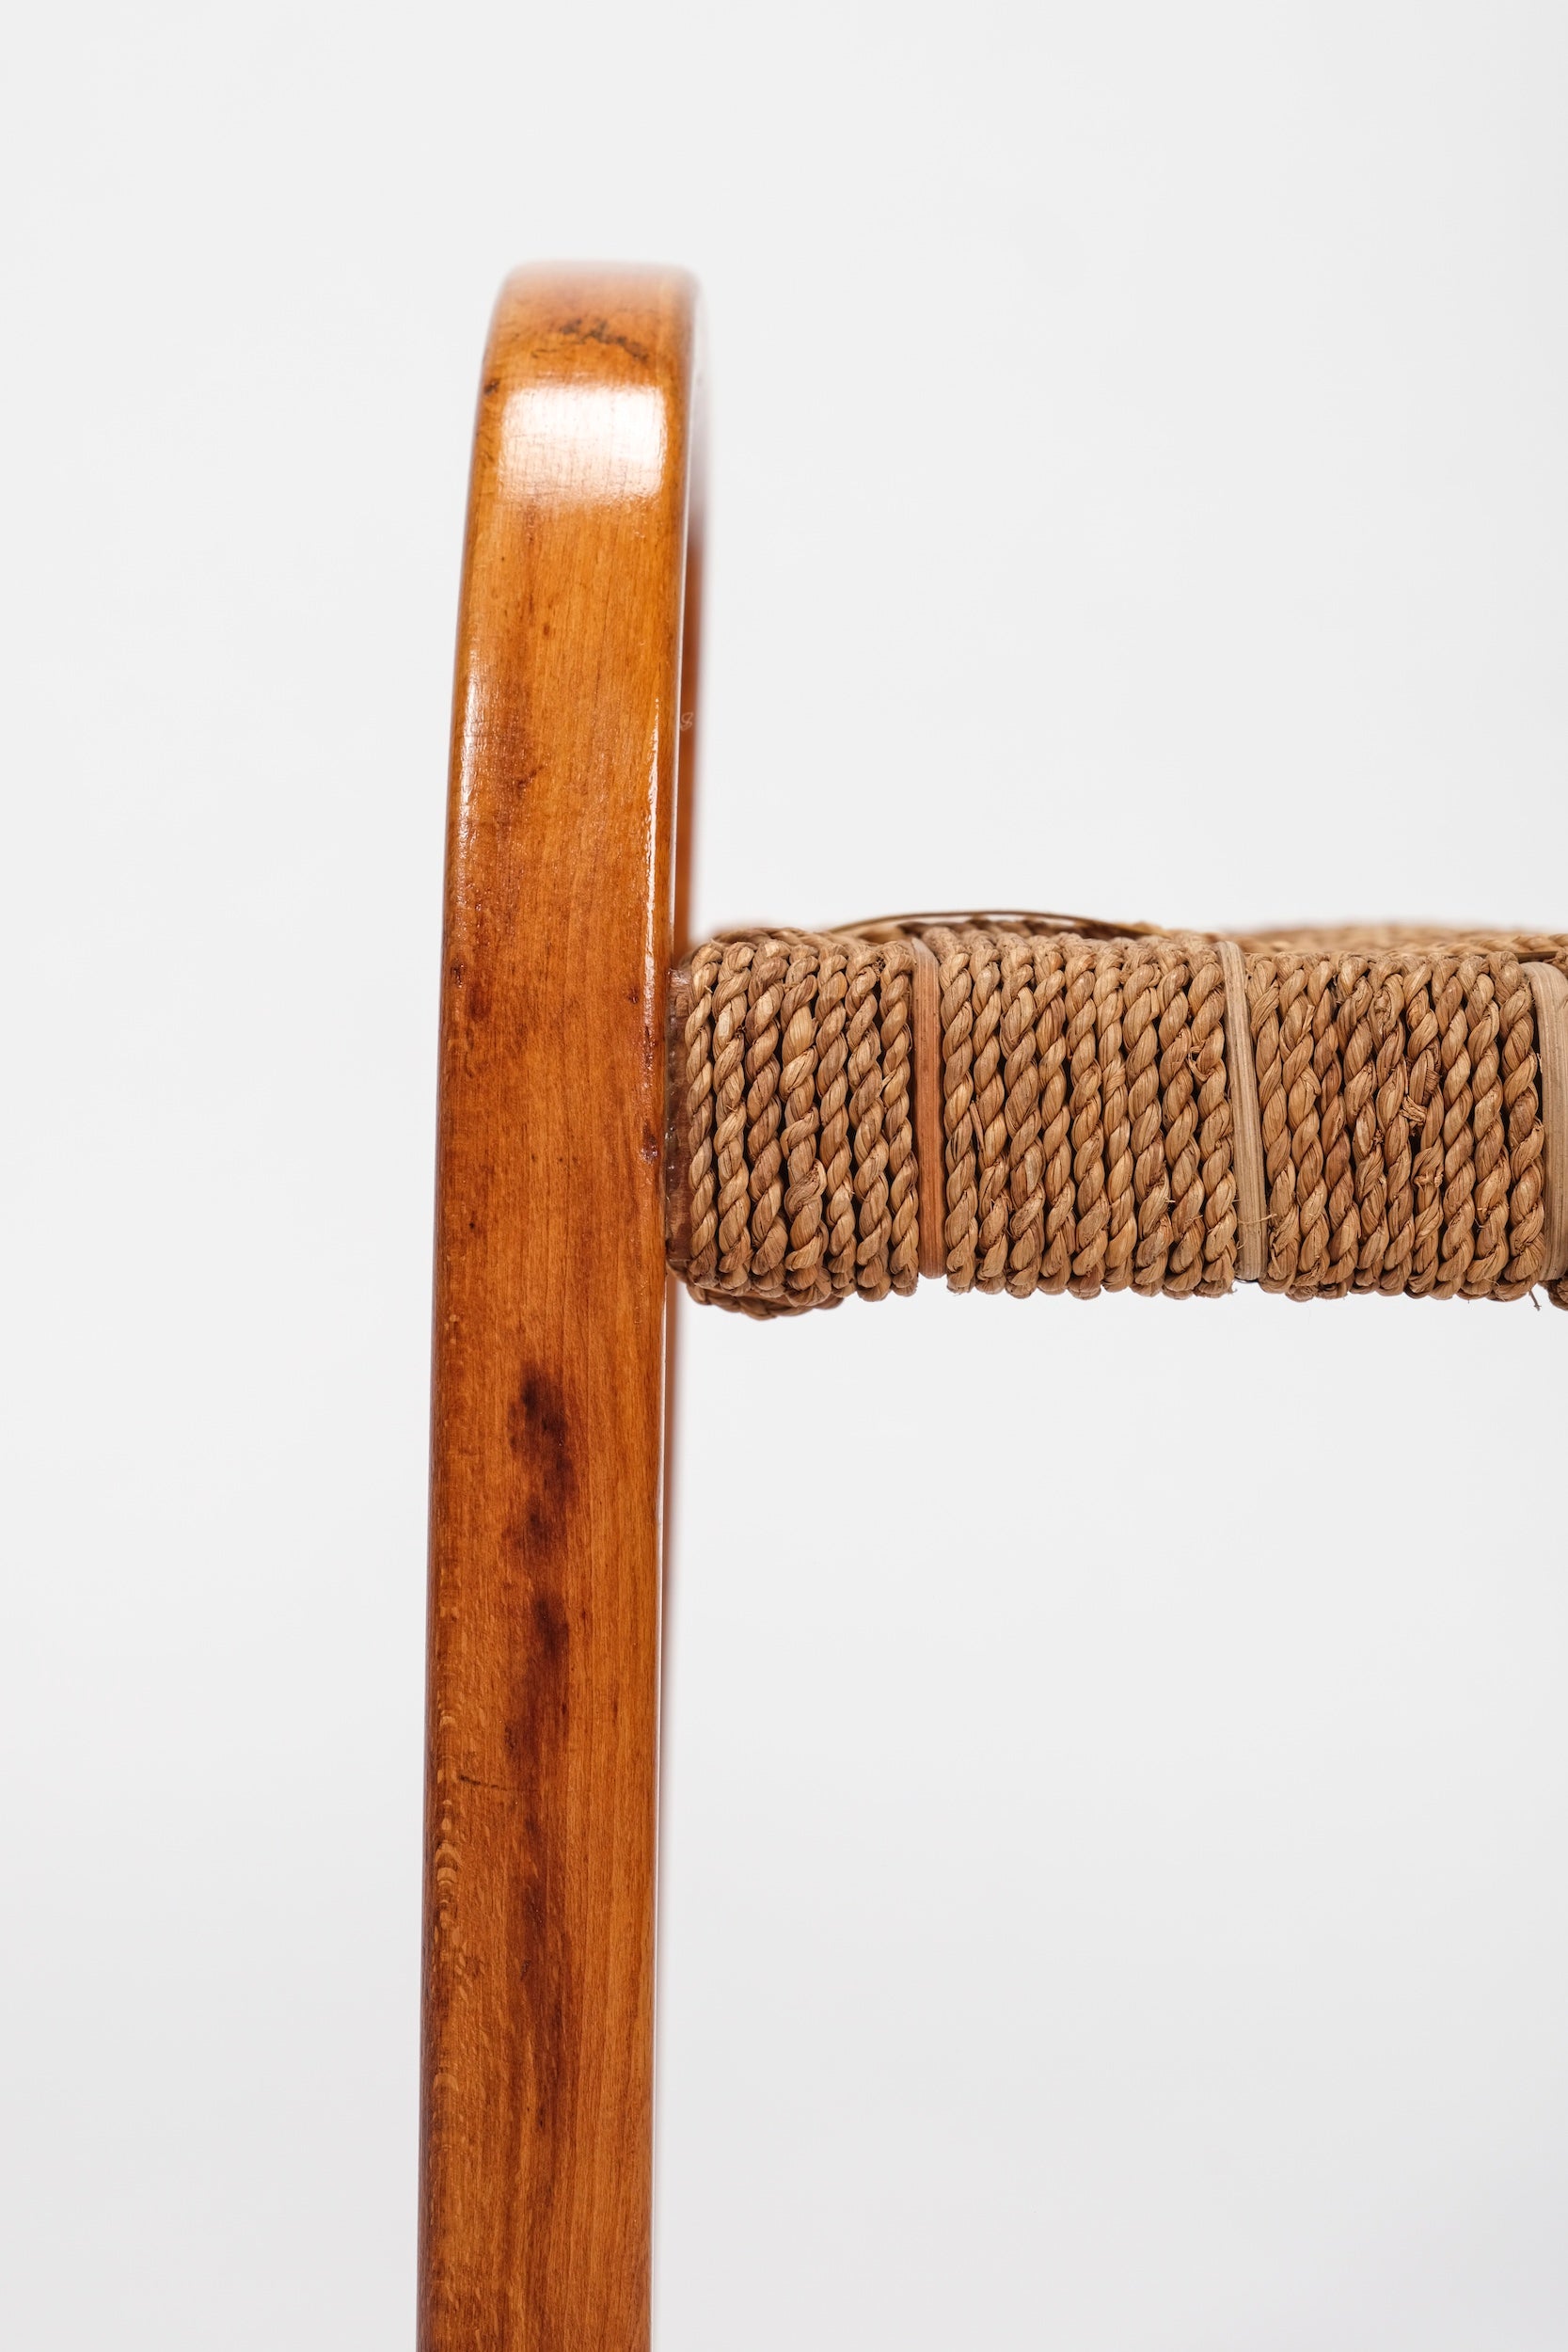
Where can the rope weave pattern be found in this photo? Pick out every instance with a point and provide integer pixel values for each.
(1088, 1114)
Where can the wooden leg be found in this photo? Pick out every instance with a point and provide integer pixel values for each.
(549, 1325)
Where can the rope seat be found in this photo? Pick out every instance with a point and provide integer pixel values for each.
(1027, 1104)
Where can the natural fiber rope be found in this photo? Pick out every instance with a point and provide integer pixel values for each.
(1021, 1106)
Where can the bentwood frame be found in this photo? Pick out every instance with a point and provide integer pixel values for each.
(571, 736)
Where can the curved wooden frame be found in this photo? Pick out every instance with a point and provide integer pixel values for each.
(550, 1323)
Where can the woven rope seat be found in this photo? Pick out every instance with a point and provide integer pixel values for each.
(1037, 1104)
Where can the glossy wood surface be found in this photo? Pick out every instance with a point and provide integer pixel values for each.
(549, 1325)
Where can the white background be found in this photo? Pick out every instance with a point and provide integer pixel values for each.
(1120, 1766)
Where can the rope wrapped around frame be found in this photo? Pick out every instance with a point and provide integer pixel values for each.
(1020, 1107)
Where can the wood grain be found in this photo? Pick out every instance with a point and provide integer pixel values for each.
(549, 1325)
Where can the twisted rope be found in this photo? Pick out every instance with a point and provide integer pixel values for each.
(1323, 1112)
